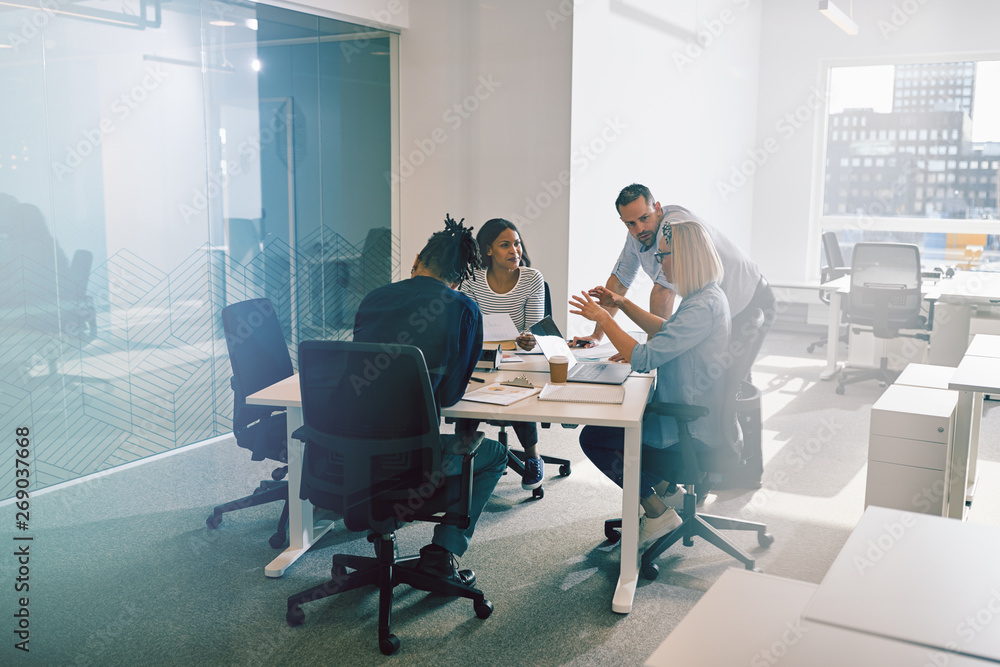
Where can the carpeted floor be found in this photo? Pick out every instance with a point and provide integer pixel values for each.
(123, 570)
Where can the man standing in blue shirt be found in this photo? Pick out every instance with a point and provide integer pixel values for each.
(427, 311)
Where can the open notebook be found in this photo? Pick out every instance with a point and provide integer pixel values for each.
(578, 393)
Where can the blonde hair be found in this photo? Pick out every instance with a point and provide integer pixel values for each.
(693, 257)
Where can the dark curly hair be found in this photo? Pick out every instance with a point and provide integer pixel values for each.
(452, 253)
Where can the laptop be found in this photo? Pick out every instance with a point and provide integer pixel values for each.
(552, 343)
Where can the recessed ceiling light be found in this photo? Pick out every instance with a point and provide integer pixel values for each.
(252, 24)
(222, 24)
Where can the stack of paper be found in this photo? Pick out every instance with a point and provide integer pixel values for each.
(583, 393)
(500, 394)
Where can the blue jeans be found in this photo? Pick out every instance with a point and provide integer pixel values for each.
(488, 466)
(605, 447)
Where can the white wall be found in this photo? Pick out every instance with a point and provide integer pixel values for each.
(679, 80)
(509, 74)
(795, 43)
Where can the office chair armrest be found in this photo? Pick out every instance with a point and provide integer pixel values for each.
(679, 411)
(462, 444)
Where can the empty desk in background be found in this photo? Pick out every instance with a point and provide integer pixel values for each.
(753, 619)
(984, 345)
(966, 305)
(921, 579)
(974, 377)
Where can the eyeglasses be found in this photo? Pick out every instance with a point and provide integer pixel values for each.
(660, 255)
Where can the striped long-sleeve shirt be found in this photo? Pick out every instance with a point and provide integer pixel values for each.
(525, 303)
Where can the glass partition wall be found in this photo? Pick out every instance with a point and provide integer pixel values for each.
(158, 162)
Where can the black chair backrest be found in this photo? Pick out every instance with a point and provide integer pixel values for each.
(885, 287)
(371, 431)
(834, 258)
(548, 301)
(258, 355)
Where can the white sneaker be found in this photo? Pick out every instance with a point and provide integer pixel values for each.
(652, 529)
(675, 499)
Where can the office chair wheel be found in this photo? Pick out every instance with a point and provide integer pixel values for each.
(810, 348)
(612, 534)
(650, 571)
(564, 470)
(840, 389)
(765, 539)
(295, 617)
(277, 540)
(484, 609)
(537, 494)
(388, 644)
(213, 521)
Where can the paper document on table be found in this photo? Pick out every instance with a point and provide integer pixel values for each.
(500, 394)
(580, 393)
(499, 327)
(598, 353)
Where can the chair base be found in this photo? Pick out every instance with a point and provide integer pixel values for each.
(515, 461)
(268, 492)
(882, 374)
(386, 572)
(705, 526)
(821, 342)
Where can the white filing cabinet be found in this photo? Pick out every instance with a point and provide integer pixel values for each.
(909, 448)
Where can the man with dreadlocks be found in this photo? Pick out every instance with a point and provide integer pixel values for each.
(427, 311)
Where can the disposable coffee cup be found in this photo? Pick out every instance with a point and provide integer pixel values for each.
(558, 366)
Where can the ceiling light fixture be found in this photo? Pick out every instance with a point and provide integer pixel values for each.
(844, 21)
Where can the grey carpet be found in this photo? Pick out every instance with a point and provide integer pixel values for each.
(124, 571)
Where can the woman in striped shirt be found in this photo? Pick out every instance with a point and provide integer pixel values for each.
(509, 285)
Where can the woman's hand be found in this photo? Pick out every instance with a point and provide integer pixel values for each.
(587, 307)
(606, 298)
(526, 341)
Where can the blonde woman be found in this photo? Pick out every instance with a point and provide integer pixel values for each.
(687, 351)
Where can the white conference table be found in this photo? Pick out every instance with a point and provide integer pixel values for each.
(925, 580)
(628, 416)
(304, 529)
(749, 618)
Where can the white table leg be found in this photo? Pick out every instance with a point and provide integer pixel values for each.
(629, 573)
(832, 336)
(977, 418)
(958, 471)
(303, 529)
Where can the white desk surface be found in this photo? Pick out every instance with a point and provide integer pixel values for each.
(749, 618)
(626, 415)
(980, 374)
(984, 345)
(979, 287)
(926, 375)
(917, 578)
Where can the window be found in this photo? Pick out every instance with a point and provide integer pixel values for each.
(251, 154)
(929, 141)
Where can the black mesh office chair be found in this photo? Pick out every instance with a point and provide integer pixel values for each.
(369, 469)
(834, 269)
(259, 357)
(698, 468)
(885, 299)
